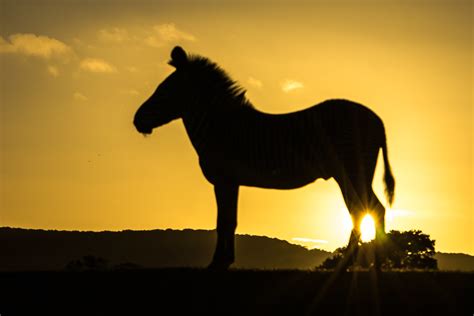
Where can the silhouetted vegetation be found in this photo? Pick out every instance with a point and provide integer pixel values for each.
(88, 263)
(93, 263)
(403, 250)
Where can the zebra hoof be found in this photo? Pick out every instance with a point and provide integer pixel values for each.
(219, 265)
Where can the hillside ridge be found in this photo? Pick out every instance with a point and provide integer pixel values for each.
(40, 249)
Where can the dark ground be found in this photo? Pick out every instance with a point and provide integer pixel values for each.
(237, 292)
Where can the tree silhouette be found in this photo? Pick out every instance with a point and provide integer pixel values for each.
(403, 250)
(411, 249)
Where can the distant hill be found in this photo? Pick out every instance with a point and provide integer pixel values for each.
(28, 249)
(455, 261)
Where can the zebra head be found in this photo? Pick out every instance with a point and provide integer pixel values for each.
(167, 102)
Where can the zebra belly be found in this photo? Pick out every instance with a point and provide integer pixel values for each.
(270, 178)
(278, 181)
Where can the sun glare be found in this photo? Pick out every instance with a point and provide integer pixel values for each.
(367, 228)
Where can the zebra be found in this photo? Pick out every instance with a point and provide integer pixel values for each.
(238, 145)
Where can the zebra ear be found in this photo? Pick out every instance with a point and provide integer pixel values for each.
(179, 58)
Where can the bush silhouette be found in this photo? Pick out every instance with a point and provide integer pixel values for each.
(403, 250)
(88, 262)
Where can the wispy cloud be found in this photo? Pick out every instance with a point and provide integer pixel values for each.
(310, 240)
(131, 92)
(166, 33)
(97, 65)
(114, 35)
(36, 46)
(79, 97)
(254, 82)
(392, 213)
(53, 70)
(132, 69)
(289, 85)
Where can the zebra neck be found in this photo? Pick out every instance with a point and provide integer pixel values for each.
(198, 127)
(210, 117)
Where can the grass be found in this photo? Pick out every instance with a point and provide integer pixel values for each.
(187, 291)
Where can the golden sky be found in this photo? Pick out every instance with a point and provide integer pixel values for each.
(74, 72)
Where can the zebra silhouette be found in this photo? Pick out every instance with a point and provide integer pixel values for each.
(239, 145)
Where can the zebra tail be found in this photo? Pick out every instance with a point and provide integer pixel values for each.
(388, 175)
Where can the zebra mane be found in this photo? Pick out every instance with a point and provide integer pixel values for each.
(223, 87)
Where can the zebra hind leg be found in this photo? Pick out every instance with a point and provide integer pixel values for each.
(356, 209)
(378, 213)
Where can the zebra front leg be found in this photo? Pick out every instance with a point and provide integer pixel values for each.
(226, 197)
(350, 256)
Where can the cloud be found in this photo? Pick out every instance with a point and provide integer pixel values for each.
(309, 243)
(53, 70)
(169, 33)
(132, 69)
(254, 82)
(131, 92)
(310, 240)
(114, 35)
(80, 97)
(290, 85)
(97, 65)
(392, 213)
(166, 33)
(36, 46)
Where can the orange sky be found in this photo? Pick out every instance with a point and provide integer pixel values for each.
(72, 76)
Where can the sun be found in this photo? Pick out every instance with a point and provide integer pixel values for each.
(367, 228)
